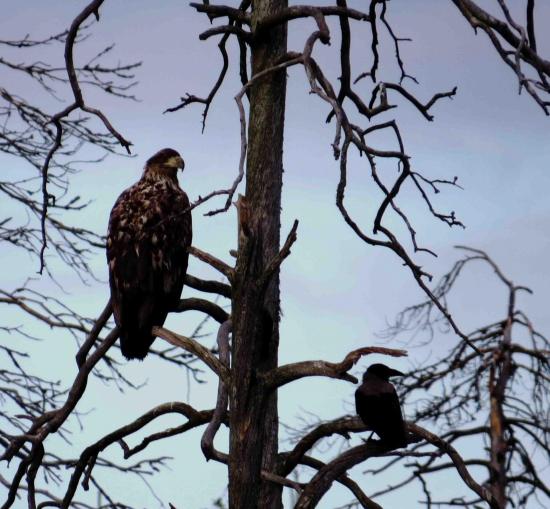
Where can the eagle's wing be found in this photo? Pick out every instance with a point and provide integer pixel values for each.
(149, 233)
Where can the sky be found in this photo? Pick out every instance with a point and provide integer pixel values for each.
(337, 293)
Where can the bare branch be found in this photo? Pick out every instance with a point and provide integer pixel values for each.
(321, 482)
(190, 99)
(290, 372)
(214, 262)
(91, 8)
(323, 479)
(340, 426)
(86, 462)
(458, 462)
(362, 499)
(99, 324)
(208, 286)
(422, 108)
(289, 61)
(220, 11)
(207, 440)
(276, 262)
(205, 306)
(515, 45)
(225, 30)
(50, 422)
(195, 348)
(307, 11)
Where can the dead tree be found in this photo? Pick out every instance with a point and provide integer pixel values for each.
(496, 399)
(245, 359)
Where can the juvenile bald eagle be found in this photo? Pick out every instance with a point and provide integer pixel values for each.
(378, 405)
(149, 233)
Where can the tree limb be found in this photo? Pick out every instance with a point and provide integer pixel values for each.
(204, 306)
(214, 262)
(204, 285)
(88, 457)
(207, 440)
(290, 372)
(195, 348)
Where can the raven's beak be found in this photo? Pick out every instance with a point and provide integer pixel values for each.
(394, 372)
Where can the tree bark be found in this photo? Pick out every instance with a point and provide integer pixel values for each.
(499, 374)
(253, 410)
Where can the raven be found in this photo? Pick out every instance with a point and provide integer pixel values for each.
(378, 406)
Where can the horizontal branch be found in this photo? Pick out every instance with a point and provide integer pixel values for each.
(290, 372)
(204, 306)
(422, 108)
(208, 286)
(309, 11)
(227, 29)
(220, 11)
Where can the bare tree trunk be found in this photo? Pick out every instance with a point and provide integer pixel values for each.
(253, 413)
(499, 374)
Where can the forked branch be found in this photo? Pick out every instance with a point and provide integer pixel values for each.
(277, 261)
(89, 456)
(78, 104)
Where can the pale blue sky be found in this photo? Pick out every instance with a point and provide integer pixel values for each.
(336, 291)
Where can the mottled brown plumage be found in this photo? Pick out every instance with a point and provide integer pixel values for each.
(149, 233)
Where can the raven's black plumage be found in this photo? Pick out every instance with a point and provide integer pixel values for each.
(378, 405)
(149, 233)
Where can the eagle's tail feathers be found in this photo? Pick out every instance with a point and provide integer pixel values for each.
(135, 344)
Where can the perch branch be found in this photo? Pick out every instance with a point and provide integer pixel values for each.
(195, 348)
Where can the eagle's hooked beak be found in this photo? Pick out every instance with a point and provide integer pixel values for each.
(181, 163)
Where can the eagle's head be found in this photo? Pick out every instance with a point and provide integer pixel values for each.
(382, 371)
(164, 163)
